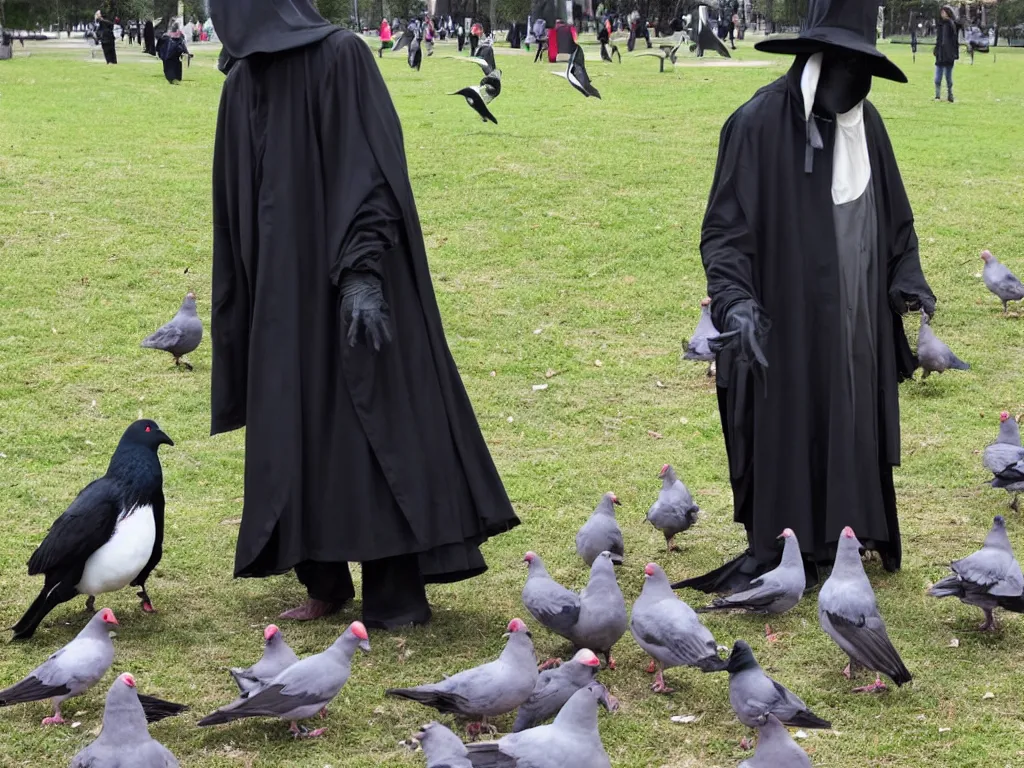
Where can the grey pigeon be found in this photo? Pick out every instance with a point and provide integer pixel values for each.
(699, 347)
(1001, 281)
(302, 690)
(595, 618)
(776, 748)
(181, 335)
(443, 749)
(124, 740)
(1012, 479)
(675, 510)
(849, 615)
(555, 687)
(277, 657)
(987, 579)
(933, 354)
(601, 533)
(755, 696)
(1001, 456)
(571, 741)
(777, 591)
(489, 690)
(669, 631)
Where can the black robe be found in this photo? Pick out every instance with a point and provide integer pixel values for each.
(148, 39)
(769, 235)
(351, 455)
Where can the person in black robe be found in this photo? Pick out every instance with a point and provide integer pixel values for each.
(170, 49)
(809, 288)
(105, 36)
(361, 443)
(148, 39)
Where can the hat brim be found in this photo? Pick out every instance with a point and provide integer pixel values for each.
(815, 40)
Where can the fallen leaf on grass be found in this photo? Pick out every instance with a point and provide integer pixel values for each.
(800, 734)
(954, 643)
(655, 435)
(988, 695)
(231, 521)
(945, 730)
(659, 384)
(550, 373)
(598, 363)
(539, 387)
(683, 718)
(76, 724)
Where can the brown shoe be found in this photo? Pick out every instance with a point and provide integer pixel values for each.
(311, 609)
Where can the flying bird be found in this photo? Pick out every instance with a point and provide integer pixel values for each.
(988, 579)
(601, 533)
(302, 690)
(848, 613)
(576, 73)
(125, 739)
(674, 511)
(702, 36)
(1001, 281)
(479, 96)
(110, 536)
(277, 657)
(181, 335)
(405, 40)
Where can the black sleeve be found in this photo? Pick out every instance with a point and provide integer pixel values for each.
(727, 243)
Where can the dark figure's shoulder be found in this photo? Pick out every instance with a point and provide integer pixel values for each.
(765, 108)
(339, 45)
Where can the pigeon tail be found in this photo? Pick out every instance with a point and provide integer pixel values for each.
(487, 755)
(807, 720)
(951, 586)
(157, 709)
(957, 363)
(446, 703)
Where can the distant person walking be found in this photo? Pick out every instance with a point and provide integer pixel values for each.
(105, 35)
(148, 39)
(947, 51)
(385, 38)
(170, 49)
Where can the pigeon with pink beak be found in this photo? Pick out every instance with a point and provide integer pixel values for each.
(555, 687)
(277, 657)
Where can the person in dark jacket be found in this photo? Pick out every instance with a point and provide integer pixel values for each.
(105, 35)
(947, 51)
(170, 49)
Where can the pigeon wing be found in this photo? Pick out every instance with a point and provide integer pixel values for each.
(554, 606)
(868, 639)
(165, 338)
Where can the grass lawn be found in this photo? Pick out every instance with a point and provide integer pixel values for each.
(564, 236)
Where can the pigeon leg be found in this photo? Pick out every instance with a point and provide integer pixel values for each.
(90, 604)
(652, 668)
(668, 541)
(989, 625)
(311, 609)
(177, 362)
(659, 683)
(769, 634)
(147, 604)
(875, 687)
(608, 660)
(323, 713)
(746, 743)
(1014, 504)
(56, 719)
(188, 365)
(848, 671)
(550, 664)
(300, 732)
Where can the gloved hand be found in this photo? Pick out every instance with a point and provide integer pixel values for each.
(746, 327)
(920, 303)
(362, 302)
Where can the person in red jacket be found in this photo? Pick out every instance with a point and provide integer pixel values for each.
(385, 38)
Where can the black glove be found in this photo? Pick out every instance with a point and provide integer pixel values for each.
(362, 302)
(746, 327)
(921, 303)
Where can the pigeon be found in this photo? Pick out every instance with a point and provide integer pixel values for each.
(110, 536)
(674, 511)
(277, 657)
(777, 591)
(669, 631)
(670, 52)
(595, 618)
(987, 579)
(576, 74)
(702, 36)
(776, 748)
(601, 533)
(484, 58)
(755, 697)
(1001, 456)
(479, 96)
(124, 740)
(555, 687)
(1001, 281)
(1012, 479)
(933, 354)
(181, 335)
(571, 741)
(442, 748)
(302, 690)
(415, 54)
(699, 347)
(849, 615)
(489, 690)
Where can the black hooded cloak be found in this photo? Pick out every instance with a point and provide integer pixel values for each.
(351, 455)
(796, 457)
(148, 39)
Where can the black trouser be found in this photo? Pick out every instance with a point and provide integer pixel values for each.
(393, 590)
(109, 53)
(474, 41)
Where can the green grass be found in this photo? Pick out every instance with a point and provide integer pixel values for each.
(576, 218)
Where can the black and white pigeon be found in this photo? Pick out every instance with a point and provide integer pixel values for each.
(777, 591)
(442, 748)
(595, 618)
(124, 740)
(571, 741)
(576, 73)
(1001, 458)
(277, 657)
(490, 690)
(669, 52)
(849, 615)
(755, 697)
(933, 354)
(699, 346)
(674, 511)
(302, 690)
(1001, 281)
(181, 335)
(601, 533)
(415, 53)
(479, 96)
(988, 579)
(76, 668)
(776, 748)
(669, 631)
(110, 536)
(702, 36)
(555, 687)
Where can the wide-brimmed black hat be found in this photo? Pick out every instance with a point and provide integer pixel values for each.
(849, 24)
